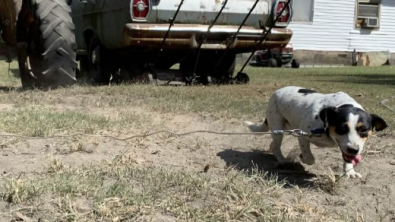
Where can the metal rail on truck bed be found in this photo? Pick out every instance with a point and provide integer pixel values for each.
(240, 77)
(240, 74)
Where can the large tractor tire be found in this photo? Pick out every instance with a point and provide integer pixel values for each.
(99, 68)
(46, 44)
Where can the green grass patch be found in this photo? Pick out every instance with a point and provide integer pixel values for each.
(368, 85)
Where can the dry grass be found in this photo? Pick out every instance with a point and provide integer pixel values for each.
(44, 122)
(121, 190)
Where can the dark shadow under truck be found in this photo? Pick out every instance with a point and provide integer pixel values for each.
(142, 40)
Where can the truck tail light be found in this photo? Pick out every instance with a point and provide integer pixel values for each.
(285, 17)
(287, 50)
(140, 9)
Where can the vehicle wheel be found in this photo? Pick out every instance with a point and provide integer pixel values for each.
(231, 68)
(272, 62)
(254, 61)
(204, 79)
(99, 70)
(150, 79)
(242, 78)
(186, 68)
(83, 70)
(201, 73)
(47, 48)
(145, 78)
(295, 64)
(225, 71)
(279, 63)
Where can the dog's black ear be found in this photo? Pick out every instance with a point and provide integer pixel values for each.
(378, 123)
(328, 115)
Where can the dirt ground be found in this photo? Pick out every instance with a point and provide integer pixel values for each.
(371, 197)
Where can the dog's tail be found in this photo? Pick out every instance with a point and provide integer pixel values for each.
(256, 127)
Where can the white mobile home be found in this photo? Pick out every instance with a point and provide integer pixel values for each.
(343, 25)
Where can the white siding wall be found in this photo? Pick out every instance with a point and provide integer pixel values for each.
(332, 29)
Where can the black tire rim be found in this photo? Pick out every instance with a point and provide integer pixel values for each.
(94, 63)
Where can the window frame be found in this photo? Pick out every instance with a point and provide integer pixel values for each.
(311, 15)
(357, 18)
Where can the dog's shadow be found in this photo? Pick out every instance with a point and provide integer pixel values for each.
(293, 174)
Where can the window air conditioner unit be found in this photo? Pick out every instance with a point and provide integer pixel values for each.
(372, 22)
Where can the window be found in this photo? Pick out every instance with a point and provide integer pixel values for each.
(303, 11)
(367, 14)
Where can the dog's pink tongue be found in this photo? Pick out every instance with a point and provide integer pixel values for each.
(353, 159)
(356, 159)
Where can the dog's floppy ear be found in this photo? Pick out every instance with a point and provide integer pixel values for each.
(378, 123)
(327, 115)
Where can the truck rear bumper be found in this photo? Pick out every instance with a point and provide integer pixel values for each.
(186, 36)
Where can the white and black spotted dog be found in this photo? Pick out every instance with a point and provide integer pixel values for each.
(342, 120)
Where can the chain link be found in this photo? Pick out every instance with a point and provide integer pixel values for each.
(294, 132)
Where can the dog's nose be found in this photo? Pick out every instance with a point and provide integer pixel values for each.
(352, 151)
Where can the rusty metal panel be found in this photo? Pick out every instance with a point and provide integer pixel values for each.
(185, 36)
(112, 21)
(204, 11)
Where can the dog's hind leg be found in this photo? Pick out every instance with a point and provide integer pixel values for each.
(277, 123)
(275, 147)
(306, 156)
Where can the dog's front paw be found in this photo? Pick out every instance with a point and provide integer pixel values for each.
(307, 159)
(352, 174)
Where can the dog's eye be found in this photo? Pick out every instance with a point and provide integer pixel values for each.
(363, 132)
(343, 129)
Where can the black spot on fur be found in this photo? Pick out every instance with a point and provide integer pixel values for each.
(346, 106)
(306, 91)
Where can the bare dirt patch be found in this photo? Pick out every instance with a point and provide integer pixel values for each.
(201, 177)
(369, 198)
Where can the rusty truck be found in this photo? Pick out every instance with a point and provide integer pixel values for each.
(41, 34)
(144, 39)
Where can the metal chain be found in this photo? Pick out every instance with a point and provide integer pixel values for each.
(294, 132)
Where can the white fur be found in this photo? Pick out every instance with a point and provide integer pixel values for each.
(290, 109)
